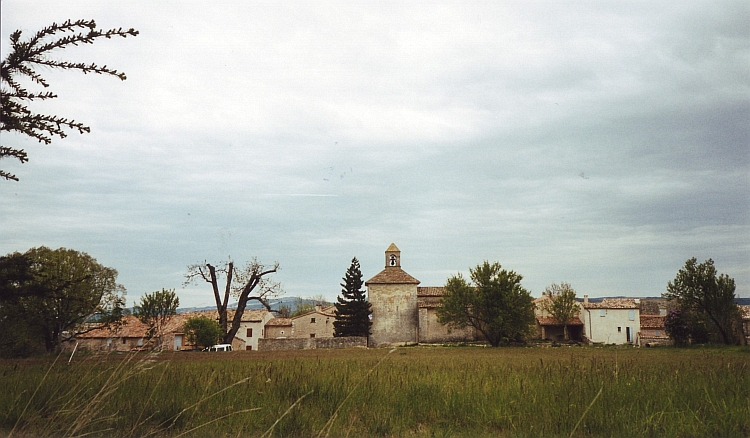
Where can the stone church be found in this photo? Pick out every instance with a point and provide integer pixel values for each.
(404, 313)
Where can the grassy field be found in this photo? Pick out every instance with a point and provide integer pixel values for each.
(416, 391)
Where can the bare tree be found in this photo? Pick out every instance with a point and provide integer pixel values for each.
(245, 284)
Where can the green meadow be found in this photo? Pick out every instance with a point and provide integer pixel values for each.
(414, 391)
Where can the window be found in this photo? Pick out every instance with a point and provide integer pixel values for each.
(249, 333)
(249, 347)
(619, 329)
(657, 333)
(631, 315)
(312, 335)
(602, 312)
(312, 320)
(123, 341)
(662, 312)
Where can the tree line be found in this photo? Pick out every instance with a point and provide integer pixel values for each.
(49, 296)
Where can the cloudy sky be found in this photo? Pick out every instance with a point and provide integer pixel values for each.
(598, 143)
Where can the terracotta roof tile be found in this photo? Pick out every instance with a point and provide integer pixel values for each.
(392, 275)
(254, 315)
(431, 291)
(652, 321)
(549, 320)
(279, 322)
(613, 303)
(134, 328)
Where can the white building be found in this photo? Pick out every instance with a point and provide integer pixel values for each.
(251, 329)
(612, 321)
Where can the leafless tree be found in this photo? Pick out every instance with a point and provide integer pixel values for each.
(245, 284)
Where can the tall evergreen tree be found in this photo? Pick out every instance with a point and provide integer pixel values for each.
(352, 310)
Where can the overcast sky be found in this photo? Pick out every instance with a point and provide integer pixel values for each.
(598, 143)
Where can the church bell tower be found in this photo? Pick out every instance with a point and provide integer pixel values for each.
(393, 296)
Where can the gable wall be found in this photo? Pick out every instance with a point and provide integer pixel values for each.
(604, 328)
(394, 314)
(321, 328)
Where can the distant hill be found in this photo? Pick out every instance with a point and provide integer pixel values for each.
(739, 301)
(275, 303)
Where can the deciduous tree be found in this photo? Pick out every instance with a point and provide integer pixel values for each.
(698, 289)
(22, 63)
(246, 284)
(684, 328)
(352, 309)
(494, 303)
(561, 304)
(59, 292)
(155, 310)
(202, 331)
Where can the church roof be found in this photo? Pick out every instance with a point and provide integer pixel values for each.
(431, 291)
(392, 275)
(393, 248)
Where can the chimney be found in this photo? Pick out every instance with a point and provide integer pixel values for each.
(318, 308)
(585, 299)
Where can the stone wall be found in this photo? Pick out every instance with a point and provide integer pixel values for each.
(394, 314)
(311, 343)
(431, 331)
(278, 331)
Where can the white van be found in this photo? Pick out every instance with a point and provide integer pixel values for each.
(220, 347)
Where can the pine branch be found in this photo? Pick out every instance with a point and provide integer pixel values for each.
(21, 61)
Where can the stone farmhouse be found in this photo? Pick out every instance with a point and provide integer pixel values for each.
(314, 324)
(131, 336)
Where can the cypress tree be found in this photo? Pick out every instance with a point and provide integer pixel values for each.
(352, 309)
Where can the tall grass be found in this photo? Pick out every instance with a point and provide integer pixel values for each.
(422, 391)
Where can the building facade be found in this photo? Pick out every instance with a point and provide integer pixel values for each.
(393, 296)
(252, 328)
(612, 321)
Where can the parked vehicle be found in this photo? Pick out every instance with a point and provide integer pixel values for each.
(219, 347)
